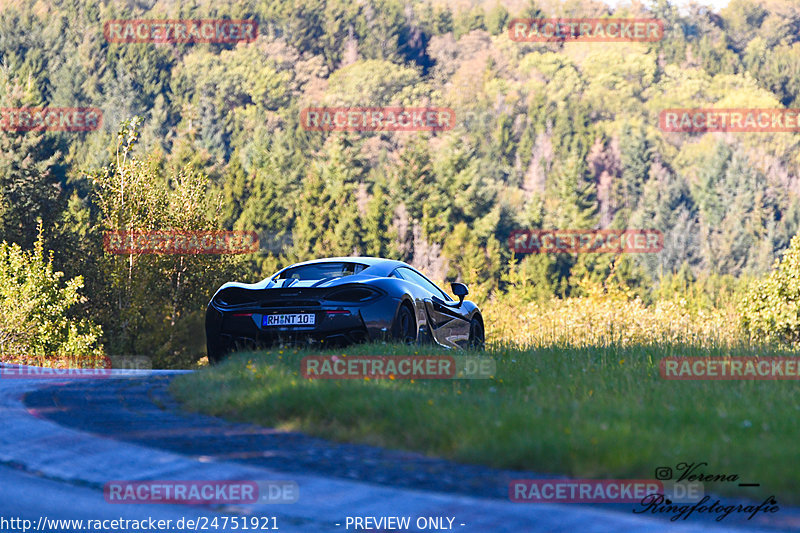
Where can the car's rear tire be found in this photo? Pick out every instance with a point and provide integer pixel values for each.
(216, 351)
(477, 338)
(405, 326)
(215, 355)
(220, 348)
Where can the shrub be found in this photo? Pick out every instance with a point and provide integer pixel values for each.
(36, 325)
(770, 310)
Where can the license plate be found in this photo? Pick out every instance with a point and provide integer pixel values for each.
(296, 319)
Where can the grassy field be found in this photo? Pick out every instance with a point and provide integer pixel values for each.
(592, 412)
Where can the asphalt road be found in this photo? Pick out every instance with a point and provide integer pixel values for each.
(63, 441)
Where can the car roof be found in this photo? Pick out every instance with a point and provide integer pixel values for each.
(376, 266)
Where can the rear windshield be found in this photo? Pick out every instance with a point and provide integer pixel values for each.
(321, 271)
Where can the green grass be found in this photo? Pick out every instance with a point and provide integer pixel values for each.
(584, 412)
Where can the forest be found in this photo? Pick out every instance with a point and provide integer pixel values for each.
(546, 135)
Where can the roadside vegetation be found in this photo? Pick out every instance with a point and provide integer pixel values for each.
(39, 324)
(207, 136)
(594, 412)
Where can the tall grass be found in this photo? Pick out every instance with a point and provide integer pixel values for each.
(596, 412)
(610, 317)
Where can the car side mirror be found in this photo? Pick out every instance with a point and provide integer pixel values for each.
(460, 290)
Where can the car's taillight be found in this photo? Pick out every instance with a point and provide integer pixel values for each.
(353, 295)
(235, 296)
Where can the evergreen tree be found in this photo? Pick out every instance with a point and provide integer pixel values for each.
(28, 189)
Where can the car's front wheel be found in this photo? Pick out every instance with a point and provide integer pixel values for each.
(477, 339)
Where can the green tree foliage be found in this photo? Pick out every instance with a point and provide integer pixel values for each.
(38, 322)
(466, 21)
(497, 20)
(329, 197)
(771, 308)
(154, 303)
(28, 187)
(545, 135)
(636, 157)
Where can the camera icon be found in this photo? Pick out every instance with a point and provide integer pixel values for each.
(663, 473)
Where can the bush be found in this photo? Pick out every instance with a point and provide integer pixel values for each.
(770, 310)
(36, 325)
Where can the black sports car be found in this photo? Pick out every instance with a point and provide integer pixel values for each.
(341, 300)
